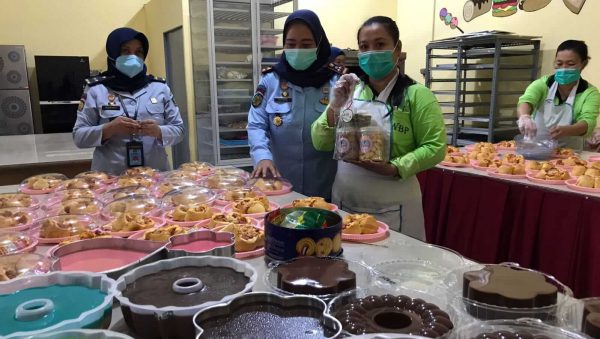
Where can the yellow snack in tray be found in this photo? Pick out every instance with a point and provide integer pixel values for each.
(359, 224)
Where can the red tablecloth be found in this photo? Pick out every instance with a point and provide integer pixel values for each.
(491, 221)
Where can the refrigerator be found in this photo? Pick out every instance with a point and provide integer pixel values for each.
(15, 103)
(60, 85)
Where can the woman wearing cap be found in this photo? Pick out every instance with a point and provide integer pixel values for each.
(561, 106)
(128, 116)
(387, 190)
(289, 97)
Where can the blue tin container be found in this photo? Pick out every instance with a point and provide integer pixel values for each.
(283, 243)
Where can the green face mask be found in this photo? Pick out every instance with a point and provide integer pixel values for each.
(566, 76)
(300, 58)
(377, 64)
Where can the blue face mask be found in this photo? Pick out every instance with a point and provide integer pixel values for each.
(300, 58)
(377, 64)
(566, 76)
(130, 65)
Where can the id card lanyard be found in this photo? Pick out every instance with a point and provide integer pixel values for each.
(134, 148)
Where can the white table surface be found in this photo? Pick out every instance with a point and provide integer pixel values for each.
(352, 251)
(40, 148)
(563, 188)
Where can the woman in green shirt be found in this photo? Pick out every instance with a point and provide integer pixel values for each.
(562, 106)
(387, 190)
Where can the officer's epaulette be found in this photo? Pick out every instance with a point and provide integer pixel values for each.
(267, 70)
(337, 68)
(96, 80)
(153, 78)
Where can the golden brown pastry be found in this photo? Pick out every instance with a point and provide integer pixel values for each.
(563, 152)
(546, 166)
(597, 182)
(12, 218)
(142, 170)
(89, 234)
(585, 181)
(316, 202)
(132, 190)
(247, 237)
(513, 159)
(556, 174)
(506, 169)
(495, 163)
(78, 206)
(97, 175)
(62, 227)
(532, 165)
(456, 158)
(519, 169)
(9, 264)
(163, 233)
(196, 166)
(592, 172)
(138, 180)
(77, 194)
(128, 222)
(507, 144)
(239, 194)
(578, 170)
(484, 163)
(15, 200)
(223, 181)
(221, 219)
(83, 183)
(252, 205)
(268, 184)
(452, 149)
(191, 213)
(571, 161)
(360, 224)
(43, 182)
(595, 164)
(133, 206)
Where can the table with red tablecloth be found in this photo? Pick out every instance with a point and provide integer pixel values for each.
(492, 220)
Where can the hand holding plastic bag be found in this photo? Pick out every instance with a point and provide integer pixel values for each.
(527, 126)
(343, 90)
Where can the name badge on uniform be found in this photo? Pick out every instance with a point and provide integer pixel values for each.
(135, 154)
(111, 108)
(281, 100)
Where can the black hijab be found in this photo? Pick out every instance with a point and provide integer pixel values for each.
(317, 74)
(119, 81)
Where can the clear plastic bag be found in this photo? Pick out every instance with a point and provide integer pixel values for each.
(361, 132)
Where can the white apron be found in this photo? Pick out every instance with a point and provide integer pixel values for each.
(549, 116)
(397, 202)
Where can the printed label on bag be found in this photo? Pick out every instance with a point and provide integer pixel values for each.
(365, 144)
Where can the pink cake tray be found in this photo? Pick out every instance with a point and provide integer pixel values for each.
(493, 172)
(530, 177)
(382, 233)
(452, 164)
(201, 242)
(571, 183)
(250, 254)
(286, 189)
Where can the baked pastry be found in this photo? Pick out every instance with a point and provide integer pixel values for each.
(167, 186)
(563, 152)
(141, 170)
(456, 158)
(359, 224)
(592, 172)
(62, 227)
(82, 183)
(316, 202)
(484, 147)
(591, 318)
(267, 185)
(571, 161)
(196, 166)
(89, 234)
(513, 159)
(78, 206)
(96, 175)
(532, 165)
(578, 170)
(585, 181)
(43, 182)
(11, 217)
(594, 164)
(221, 219)
(9, 264)
(597, 182)
(163, 233)
(247, 237)
(223, 181)
(452, 149)
(191, 213)
(15, 200)
(237, 194)
(552, 173)
(128, 192)
(71, 194)
(140, 206)
(128, 222)
(138, 180)
(507, 144)
(316, 276)
(505, 286)
(252, 205)
(394, 314)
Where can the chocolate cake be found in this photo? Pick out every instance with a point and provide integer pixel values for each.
(509, 287)
(157, 288)
(394, 314)
(591, 318)
(316, 276)
(509, 335)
